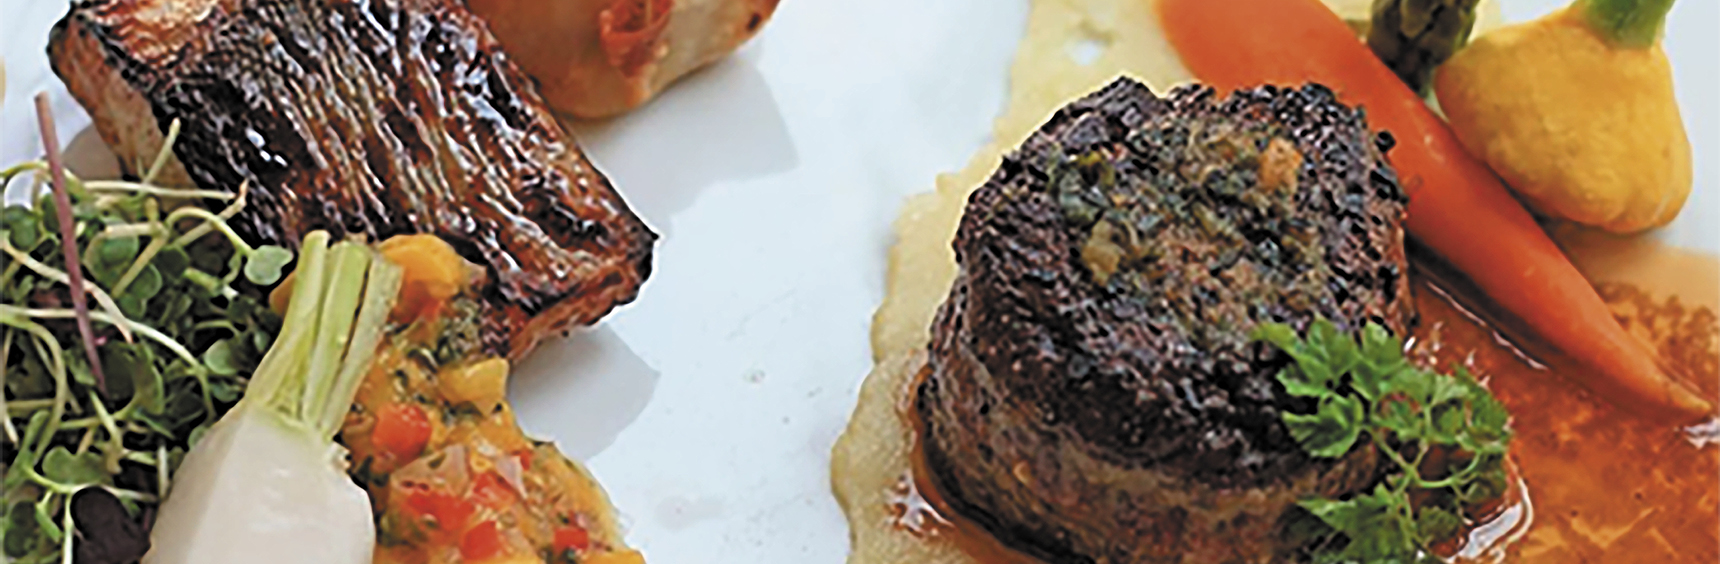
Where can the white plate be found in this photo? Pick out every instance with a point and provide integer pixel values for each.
(708, 407)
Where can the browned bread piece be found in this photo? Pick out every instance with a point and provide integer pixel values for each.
(372, 117)
(1093, 394)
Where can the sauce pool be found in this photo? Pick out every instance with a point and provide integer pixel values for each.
(1606, 486)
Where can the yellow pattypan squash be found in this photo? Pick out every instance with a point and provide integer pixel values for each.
(1575, 111)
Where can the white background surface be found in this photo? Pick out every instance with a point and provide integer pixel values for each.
(709, 406)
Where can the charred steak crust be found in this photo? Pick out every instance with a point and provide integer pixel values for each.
(383, 117)
(1092, 393)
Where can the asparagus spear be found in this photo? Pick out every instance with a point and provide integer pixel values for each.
(1415, 36)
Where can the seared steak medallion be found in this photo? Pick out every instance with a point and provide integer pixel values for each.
(1092, 393)
(373, 117)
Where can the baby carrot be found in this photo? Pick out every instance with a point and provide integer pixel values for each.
(1457, 206)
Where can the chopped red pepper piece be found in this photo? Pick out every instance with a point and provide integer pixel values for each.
(450, 512)
(402, 429)
(571, 536)
(489, 489)
(482, 542)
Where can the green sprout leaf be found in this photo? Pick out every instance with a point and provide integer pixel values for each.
(116, 251)
(154, 423)
(177, 308)
(17, 472)
(219, 358)
(196, 435)
(137, 377)
(147, 284)
(132, 306)
(264, 266)
(226, 391)
(171, 262)
(22, 226)
(260, 340)
(20, 529)
(35, 383)
(60, 465)
(80, 370)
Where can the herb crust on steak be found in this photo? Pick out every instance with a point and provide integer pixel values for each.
(1092, 392)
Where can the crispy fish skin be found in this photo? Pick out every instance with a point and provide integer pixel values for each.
(369, 117)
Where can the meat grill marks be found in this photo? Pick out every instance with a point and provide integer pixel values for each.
(373, 117)
(1092, 393)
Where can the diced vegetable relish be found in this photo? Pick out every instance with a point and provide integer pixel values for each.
(451, 476)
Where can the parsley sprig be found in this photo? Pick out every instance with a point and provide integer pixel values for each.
(1445, 437)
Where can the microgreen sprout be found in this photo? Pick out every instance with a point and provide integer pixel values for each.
(178, 325)
(68, 240)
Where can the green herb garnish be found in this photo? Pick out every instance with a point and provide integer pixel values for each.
(1444, 435)
(178, 314)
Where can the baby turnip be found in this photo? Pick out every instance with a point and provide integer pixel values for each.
(267, 484)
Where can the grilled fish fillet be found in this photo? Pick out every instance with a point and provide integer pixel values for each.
(372, 117)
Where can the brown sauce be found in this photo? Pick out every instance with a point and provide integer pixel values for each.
(1602, 485)
(1605, 486)
(917, 507)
